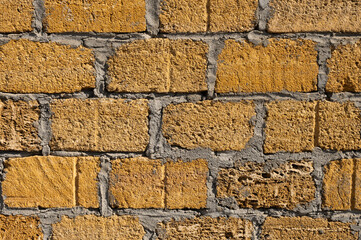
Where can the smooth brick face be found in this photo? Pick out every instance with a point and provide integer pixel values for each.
(345, 68)
(252, 186)
(93, 227)
(320, 16)
(305, 228)
(282, 65)
(206, 228)
(115, 125)
(34, 67)
(95, 16)
(159, 65)
(220, 126)
(16, 15)
(339, 126)
(20, 227)
(290, 126)
(18, 126)
(213, 16)
(51, 182)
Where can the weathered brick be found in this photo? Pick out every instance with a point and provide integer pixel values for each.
(290, 126)
(20, 227)
(306, 228)
(186, 184)
(339, 126)
(18, 126)
(206, 228)
(254, 186)
(137, 183)
(95, 16)
(203, 15)
(51, 182)
(283, 64)
(34, 67)
(345, 68)
(220, 126)
(159, 65)
(320, 16)
(100, 125)
(16, 15)
(93, 227)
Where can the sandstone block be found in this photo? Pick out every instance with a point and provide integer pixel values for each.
(20, 227)
(16, 15)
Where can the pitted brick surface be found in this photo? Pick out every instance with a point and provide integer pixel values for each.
(16, 15)
(20, 227)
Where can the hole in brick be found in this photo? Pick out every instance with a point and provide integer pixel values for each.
(229, 235)
(266, 175)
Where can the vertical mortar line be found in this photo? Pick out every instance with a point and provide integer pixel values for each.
(260, 126)
(208, 12)
(152, 16)
(213, 170)
(155, 118)
(165, 185)
(103, 184)
(323, 54)
(317, 124)
(39, 15)
(44, 129)
(100, 65)
(353, 185)
(75, 182)
(2, 166)
(215, 48)
(263, 14)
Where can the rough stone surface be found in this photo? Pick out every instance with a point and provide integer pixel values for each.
(20, 227)
(290, 126)
(18, 126)
(320, 16)
(93, 227)
(159, 65)
(339, 126)
(253, 186)
(186, 184)
(306, 228)
(345, 69)
(206, 228)
(50, 182)
(283, 64)
(16, 15)
(220, 126)
(95, 16)
(114, 125)
(34, 67)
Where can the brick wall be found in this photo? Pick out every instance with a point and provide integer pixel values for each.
(180, 119)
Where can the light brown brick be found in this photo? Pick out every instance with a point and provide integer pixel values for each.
(159, 65)
(186, 184)
(220, 126)
(202, 15)
(51, 182)
(283, 64)
(345, 68)
(115, 125)
(320, 16)
(253, 186)
(93, 227)
(95, 16)
(20, 227)
(137, 183)
(219, 228)
(306, 228)
(34, 67)
(16, 15)
(290, 126)
(18, 126)
(339, 126)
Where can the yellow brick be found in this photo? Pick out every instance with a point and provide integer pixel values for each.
(34, 67)
(220, 126)
(282, 65)
(286, 186)
(159, 65)
(320, 16)
(92, 227)
(20, 227)
(290, 126)
(50, 182)
(306, 228)
(220, 228)
(100, 125)
(18, 124)
(345, 69)
(16, 15)
(137, 183)
(339, 126)
(95, 16)
(186, 184)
